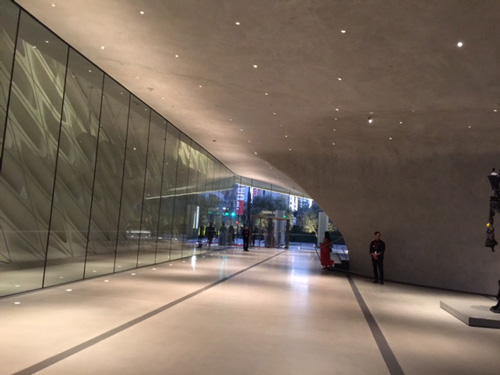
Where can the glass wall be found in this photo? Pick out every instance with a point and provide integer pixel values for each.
(93, 181)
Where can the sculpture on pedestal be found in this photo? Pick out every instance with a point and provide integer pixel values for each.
(494, 179)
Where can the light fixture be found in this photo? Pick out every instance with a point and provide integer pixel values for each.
(266, 94)
(237, 23)
(343, 31)
(141, 12)
(340, 79)
(460, 44)
(176, 56)
(200, 86)
(102, 47)
(390, 138)
(17, 303)
(337, 109)
(255, 66)
(370, 119)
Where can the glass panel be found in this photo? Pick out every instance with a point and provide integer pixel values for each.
(9, 17)
(29, 156)
(130, 233)
(103, 234)
(192, 207)
(201, 201)
(75, 172)
(166, 219)
(154, 170)
(179, 223)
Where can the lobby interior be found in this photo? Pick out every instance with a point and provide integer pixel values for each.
(385, 113)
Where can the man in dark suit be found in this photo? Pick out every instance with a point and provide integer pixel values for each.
(377, 250)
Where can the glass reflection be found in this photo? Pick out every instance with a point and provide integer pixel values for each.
(130, 233)
(75, 172)
(29, 155)
(103, 234)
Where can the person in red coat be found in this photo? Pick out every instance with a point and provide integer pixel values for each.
(325, 249)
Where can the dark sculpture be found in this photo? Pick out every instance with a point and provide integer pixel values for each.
(494, 179)
(496, 308)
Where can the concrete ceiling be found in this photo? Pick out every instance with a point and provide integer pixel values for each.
(299, 119)
(398, 61)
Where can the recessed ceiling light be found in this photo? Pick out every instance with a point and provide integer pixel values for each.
(200, 86)
(176, 56)
(141, 12)
(266, 93)
(69, 290)
(162, 98)
(343, 31)
(249, 141)
(237, 23)
(333, 144)
(289, 149)
(470, 126)
(255, 152)
(47, 41)
(241, 130)
(53, 5)
(460, 44)
(334, 130)
(401, 122)
(17, 303)
(274, 113)
(255, 66)
(495, 110)
(340, 79)
(390, 138)
(370, 120)
(136, 77)
(286, 136)
(337, 109)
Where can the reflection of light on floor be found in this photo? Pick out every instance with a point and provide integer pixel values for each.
(222, 270)
(193, 262)
(299, 281)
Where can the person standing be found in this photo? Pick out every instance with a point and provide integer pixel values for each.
(325, 250)
(231, 234)
(377, 250)
(210, 234)
(245, 233)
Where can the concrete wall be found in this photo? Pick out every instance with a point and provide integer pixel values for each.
(426, 191)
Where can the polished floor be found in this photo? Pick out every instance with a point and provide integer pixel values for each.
(234, 312)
